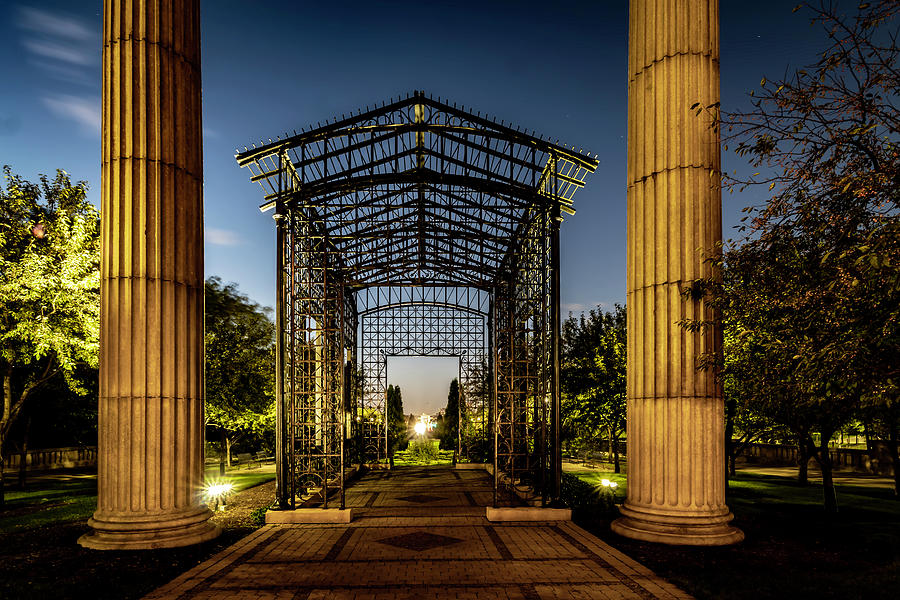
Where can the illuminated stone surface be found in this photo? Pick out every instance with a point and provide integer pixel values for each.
(150, 458)
(394, 550)
(676, 463)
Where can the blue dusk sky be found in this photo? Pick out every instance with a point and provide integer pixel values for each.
(269, 67)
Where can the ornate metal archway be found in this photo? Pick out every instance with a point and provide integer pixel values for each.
(422, 321)
(416, 227)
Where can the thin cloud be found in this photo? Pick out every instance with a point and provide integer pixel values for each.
(66, 47)
(222, 237)
(84, 111)
(60, 52)
(42, 21)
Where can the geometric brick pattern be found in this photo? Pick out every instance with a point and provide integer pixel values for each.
(419, 541)
(421, 498)
(394, 550)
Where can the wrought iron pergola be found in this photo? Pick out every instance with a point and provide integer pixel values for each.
(416, 228)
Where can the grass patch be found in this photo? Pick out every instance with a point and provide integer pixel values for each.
(241, 479)
(792, 548)
(63, 498)
(40, 557)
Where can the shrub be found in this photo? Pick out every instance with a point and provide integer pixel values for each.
(423, 450)
(258, 516)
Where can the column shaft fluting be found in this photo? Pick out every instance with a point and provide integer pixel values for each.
(676, 463)
(151, 429)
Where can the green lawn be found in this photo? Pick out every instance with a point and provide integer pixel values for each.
(792, 548)
(242, 478)
(46, 501)
(61, 498)
(40, 557)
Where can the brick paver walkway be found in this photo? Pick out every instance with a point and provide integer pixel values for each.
(420, 532)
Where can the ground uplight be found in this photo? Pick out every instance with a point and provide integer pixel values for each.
(219, 492)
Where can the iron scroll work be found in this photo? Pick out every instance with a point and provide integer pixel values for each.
(416, 228)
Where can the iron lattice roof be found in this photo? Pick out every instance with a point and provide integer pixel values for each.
(418, 191)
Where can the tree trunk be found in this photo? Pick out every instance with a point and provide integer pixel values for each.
(2, 483)
(732, 468)
(803, 456)
(730, 407)
(893, 450)
(617, 467)
(803, 470)
(823, 457)
(828, 483)
(222, 454)
(24, 455)
(4, 426)
(228, 450)
(609, 443)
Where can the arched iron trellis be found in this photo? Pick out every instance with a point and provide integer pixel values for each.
(423, 321)
(422, 198)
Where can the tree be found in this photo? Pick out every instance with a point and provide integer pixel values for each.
(822, 252)
(398, 435)
(49, 289)
(476, 434)
(593, 378)
(756, 368)
(450, 436)
(240, 365)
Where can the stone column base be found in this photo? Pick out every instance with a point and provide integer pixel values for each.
(676, 528)
(146, 532)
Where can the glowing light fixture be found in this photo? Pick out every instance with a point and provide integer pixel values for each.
(219, 492)
(420, 428)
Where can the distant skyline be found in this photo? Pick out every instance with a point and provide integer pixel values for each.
(273, 67)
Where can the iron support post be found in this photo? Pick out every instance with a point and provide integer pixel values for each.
(554, 350)
(279, 360)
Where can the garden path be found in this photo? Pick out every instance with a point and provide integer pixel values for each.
(420, 532)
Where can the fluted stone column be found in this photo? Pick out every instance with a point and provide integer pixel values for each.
(151, 319)
(676, 462)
